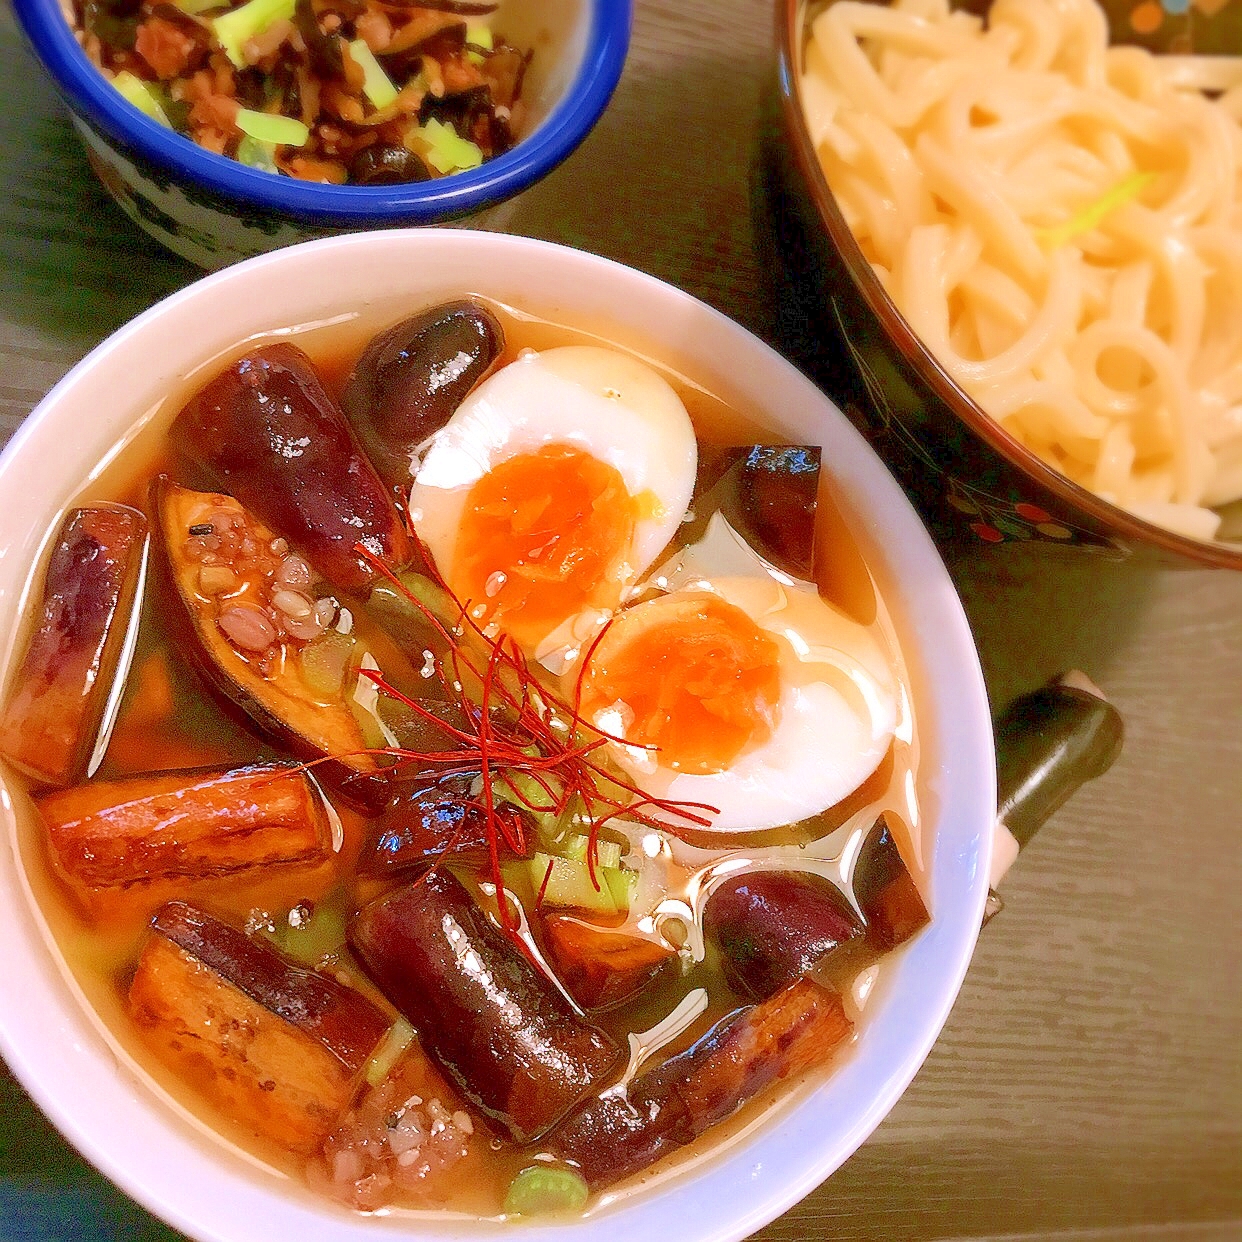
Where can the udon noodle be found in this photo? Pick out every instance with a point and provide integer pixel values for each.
(1061, 222)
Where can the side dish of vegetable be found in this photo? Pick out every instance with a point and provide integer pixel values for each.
(365, 92)
(539, 808)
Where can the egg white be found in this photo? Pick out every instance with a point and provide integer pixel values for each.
(834, 721)
(599, 401)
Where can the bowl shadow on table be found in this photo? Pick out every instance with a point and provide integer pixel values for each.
(1036, 608)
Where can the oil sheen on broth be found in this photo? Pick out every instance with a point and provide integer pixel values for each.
(630, 944)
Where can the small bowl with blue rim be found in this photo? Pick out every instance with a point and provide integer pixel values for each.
(214, 210)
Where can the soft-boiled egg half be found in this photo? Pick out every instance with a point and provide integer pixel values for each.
(742, 690)
(551, 489)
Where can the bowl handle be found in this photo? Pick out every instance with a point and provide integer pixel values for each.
(1048, 743)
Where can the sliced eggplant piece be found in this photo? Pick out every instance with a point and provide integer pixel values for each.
(59, 700)
(438, 823)
(278, 1048)
(622, 1132)
(886, 892)
(263, 675)
(268, 432)
(412, 377)
(600, 967)
(768, 493)
(492, 1021)
(771, 927)
(616, 1135)
(196, 824)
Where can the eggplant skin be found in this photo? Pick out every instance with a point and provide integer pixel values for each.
(425, 825)
(268, 432)
(494, 1023)
(52, 719)
(344, 1021)
(768, 493)
(326, 735)
(773, 926)
(411, 378)
(886, 891)
(615, 1135)
(277, 1048)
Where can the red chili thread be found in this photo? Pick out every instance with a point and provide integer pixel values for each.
(543, 888)
(494, 751)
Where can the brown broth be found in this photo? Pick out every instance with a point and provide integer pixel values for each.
(167, 720)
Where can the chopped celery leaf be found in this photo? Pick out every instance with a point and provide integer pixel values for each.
(260, 155)
(283, 131)
(235, 29)
(139, 93)
(375, 83)
(445, 150)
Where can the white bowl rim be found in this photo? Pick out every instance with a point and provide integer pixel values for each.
(49, 1042)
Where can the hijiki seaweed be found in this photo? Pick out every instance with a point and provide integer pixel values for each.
(366, 92)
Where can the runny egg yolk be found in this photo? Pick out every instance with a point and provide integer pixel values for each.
(541, 538)
(688, 673)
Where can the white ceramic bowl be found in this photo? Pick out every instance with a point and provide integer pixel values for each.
(106, 1105)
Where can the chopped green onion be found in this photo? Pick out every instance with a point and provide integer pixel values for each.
(543, 1188)
(262, 155)
(235, 29)
(556, 831)
(429, 594)
(478, 36)
(195, 7)
(1090, 217)
(284, 131)
(364, 703)
(445, 150)
(566, 882)
(311, 931)
(325, 660)
(375, 84)
(621, 885)
(400, 1036)
(608, 852)
(139, 93)
(522, 789)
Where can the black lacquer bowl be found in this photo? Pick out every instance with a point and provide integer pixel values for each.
(973, 483)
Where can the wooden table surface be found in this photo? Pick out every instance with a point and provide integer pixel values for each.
(1089, 1081)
